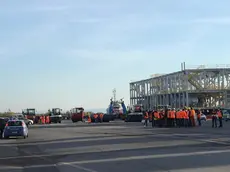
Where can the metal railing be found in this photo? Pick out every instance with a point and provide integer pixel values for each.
(210, 66)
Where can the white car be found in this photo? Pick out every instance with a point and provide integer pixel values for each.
(27, 121)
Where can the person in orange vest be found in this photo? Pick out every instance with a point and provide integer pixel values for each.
(95, 116)
(156, 117)
(220, 117)
(193, 117)
(168, 117)
(177, 118)
(150, 115)
(101, 117)
(173, 117)
(162, 118)
(186, 117)
(89, 119)
(181, 118)
(43, 120)
(146, 118)
(199, 117)
(46, 120)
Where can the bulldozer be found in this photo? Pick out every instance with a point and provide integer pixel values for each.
(29, 113)
(77, 114)
(55, 115)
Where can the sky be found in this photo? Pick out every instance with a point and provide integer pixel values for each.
(75, 52)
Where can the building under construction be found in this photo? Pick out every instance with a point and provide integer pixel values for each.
(202, 87)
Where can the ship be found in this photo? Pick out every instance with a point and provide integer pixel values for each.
(116, 108)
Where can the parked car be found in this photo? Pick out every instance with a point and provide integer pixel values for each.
(26, 120)
(15, 128)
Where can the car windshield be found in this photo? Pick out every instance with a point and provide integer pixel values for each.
(31, 111)
(14, 123)
(77, 110)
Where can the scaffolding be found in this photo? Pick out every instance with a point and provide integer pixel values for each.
(201, 87)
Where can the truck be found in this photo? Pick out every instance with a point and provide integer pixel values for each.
(77, 114)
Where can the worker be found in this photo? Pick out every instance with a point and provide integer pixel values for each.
(173, 116)
(95, 117)
(161, 118)
(169, 118)
(40, 119)
(150, 116)
(178, 118)
(192, 114)
(214, 119)
(156, 117)
(47, 119)
(220, 117)
(43, 119)
(181, 118)
(101, 117)
(199, 117)
(188, 111)
(146, 118)
(89, 119)
(185, 115)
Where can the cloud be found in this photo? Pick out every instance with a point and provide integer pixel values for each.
(105, 55)
(28, 40)
(88, 20)
(34, 9)
(50, 8)
(221, 20)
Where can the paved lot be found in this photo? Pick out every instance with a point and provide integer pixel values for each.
(117, 147)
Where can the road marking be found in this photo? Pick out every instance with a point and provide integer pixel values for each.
(80, 167)
(129, 158)
(122, 136)
(221, 142)
(105, 148)
(69, 141)
(223, 168)
(124, 146)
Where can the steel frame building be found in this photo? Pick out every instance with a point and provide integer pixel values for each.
(202, 88)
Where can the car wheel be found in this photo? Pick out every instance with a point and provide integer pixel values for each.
(30, 123)
(59, 121)
(24, 137)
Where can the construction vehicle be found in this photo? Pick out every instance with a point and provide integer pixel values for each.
(77, 114)
(136, 113)
(29, 113)
(55, 115)
(66, 115)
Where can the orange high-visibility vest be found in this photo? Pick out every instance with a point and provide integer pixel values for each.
(219, 114)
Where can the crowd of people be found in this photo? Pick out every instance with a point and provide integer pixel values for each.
(187, 117)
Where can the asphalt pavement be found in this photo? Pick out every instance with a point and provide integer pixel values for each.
(117, 147)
